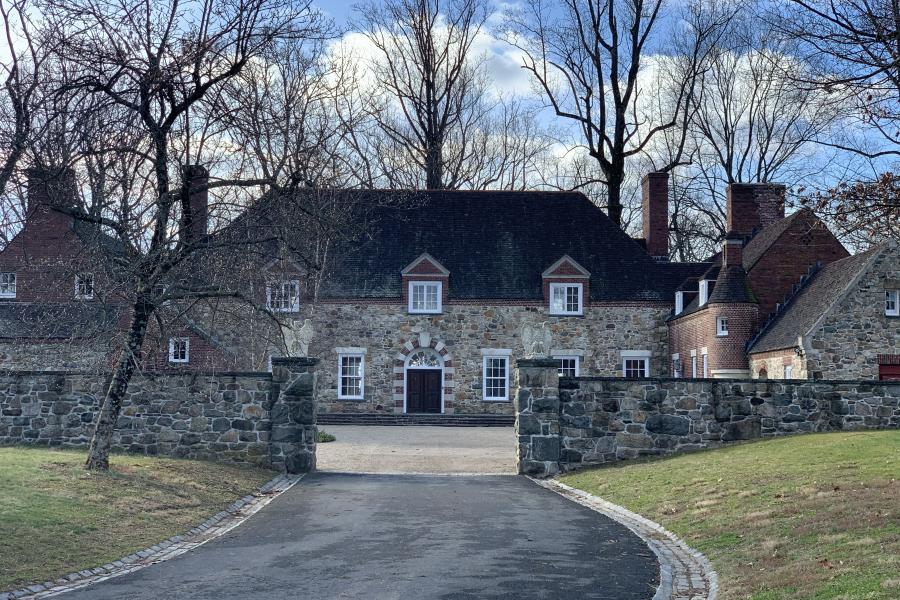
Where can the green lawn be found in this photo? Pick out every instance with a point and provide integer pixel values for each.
(811, 516)
(56, 518)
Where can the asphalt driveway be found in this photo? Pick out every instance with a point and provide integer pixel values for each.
(406, 536)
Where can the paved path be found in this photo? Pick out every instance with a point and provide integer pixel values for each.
(418, 449)
(406, 537)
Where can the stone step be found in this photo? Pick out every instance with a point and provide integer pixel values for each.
(463, 420)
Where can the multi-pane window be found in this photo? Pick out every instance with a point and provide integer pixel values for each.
(721, 326)
(704, 291)
(788, 371)
(179, 350)
(351, 372)
(496, 377)
(84, 286)
(283, 296)
(568, 366)
(892, 303)
(7, 285)
(635, 367)
(425, 296)
(566, 298)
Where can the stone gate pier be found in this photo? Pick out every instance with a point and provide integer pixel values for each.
(292, 441)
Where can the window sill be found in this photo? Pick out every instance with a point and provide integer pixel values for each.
(495, 399)
(721, 335)
(425, 312)
(352, 398)
(566, 314)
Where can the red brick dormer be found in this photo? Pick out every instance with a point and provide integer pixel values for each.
(424, 268)
(566, 270)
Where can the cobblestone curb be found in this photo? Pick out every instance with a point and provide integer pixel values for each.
(217, 525)
(685, 574)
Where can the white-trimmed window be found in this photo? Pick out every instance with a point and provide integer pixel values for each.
(676, 366)
(7, 285)
(635, 364)
(495, 374)
(693, 364)
(351, 375)
(569, 366)
(84, 286)
(566, 299)
(704, 356)
(788, 371)
(722, 326)
(892, 303)
(179, 350)
(283, 296)
(425, 297)
(679, 303)
(704, 291)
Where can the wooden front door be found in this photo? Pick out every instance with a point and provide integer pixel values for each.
(889, 372)
(423, 391)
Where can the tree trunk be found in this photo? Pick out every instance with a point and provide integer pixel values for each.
(101, 442)
(614, 198)
(434, 166)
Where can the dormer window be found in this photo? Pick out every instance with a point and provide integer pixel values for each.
(566, 299)
(7, 285)
(722, 326)
(283, 296)
(84, 286)
(679, 303)
(892, 303)
(425, 297)
(704, 291)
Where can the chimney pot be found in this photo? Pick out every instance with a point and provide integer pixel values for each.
(196, 177)
(51, 187)
(655, 204)
(753, 206)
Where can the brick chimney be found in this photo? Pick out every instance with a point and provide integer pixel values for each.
(196, 177)
(655, 204)
(753, 206)
(733, 250)
(50, 187)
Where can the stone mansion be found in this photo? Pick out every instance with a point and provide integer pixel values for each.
(428, 310)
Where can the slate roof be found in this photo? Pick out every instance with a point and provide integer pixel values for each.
(496, 245)
(732, 287)
(46, 321)
(822, 291)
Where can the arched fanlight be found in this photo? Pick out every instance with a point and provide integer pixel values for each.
(425, 359)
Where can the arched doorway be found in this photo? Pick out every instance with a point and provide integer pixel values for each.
(424, 382)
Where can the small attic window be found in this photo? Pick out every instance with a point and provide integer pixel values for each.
(679, 303)
(566, 299)
(84, 286)
(425, 297)
(179, 350)
(892, 303)
(7, 285)
(722, 326)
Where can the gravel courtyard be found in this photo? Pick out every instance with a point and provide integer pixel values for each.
(418, 449)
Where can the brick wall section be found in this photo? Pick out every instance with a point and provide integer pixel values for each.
(605, 420)
(655, 213)
(224, 416)
(789, 258)
(698, 330)
(752, 206)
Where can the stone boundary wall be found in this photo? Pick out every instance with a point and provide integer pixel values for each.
(211, 416)
(601, 420)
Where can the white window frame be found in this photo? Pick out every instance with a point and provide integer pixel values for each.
(7, 285)
(493, 354)
(437, 285)
(643, 355)
(703, 294)
(704, 361)
(721, 326)
(294, 298)
(679, 303)
(788, 372)
(78, 281)
(187, 350)
(892, 303)
(677, 367)
(574, 357)
(693, 364)
(565, 287)
(351, 353)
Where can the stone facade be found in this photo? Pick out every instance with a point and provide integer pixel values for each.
(220, 416)
(537, 417)
(604, 420)
(847, 342)
(388, 334)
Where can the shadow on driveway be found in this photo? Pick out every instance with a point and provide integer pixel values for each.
(406, 536)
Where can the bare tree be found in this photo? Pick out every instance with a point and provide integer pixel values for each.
(433, 93)
(590, 58)
(852, 48)
(157, 63)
